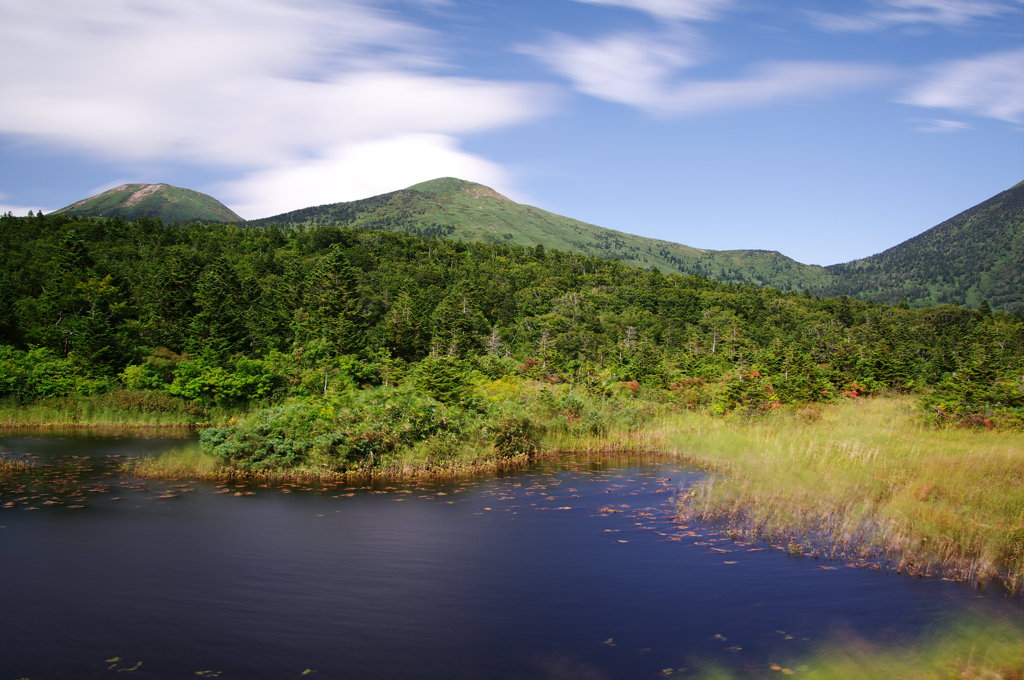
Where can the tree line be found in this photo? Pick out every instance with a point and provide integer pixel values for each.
(228, 314)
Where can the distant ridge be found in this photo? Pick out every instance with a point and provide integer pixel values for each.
(172, 205)
(467, 211)
(972, 257)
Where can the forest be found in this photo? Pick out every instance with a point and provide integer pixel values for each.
(345, 348)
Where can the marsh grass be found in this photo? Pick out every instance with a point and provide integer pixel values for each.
(193, 463)
(119, 409)
(11, 468)
(863, 478)
(972, 650)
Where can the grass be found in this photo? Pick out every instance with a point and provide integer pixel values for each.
(193, 463)
(10, 468)
(861, 478)
(122, 409)
(975, 650)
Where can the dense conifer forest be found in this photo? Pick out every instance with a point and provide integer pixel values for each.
(193, 318)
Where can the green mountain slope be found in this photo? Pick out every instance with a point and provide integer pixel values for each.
(467, 211)
(977, 255)
(172, 205)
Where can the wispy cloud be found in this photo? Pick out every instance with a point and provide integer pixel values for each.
(645, 71)
(991, 86)
(251, 84)
(626, 68)
(883, 14)
(943, 126)
(774, 81)
(672, 10)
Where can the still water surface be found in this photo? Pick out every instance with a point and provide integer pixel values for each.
(569, 571)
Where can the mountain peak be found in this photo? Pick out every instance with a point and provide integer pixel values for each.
(452, 185)
(168, 203)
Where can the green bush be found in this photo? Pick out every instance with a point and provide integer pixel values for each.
(213, 384)
(40, 372)
(359, 429)
(513, 436)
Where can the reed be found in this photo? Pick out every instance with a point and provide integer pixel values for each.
(11, 468)
(862, 478)
(119, 409)
(971, 650)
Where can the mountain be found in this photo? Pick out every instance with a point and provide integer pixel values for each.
(975, 256)
(466, 211)
(172, 205)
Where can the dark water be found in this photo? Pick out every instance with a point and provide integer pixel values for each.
(573, 571)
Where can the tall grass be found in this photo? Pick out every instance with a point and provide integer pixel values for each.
(973, 650)
(862, 478)
(117, 409)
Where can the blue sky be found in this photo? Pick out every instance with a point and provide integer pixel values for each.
(825, 130)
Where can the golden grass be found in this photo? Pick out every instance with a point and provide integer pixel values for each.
(863, 478)
(973, 650)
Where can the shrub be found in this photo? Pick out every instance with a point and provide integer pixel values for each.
(40, 372)
(358, 429)
(513, 436)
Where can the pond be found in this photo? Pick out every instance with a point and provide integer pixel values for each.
(574, 570)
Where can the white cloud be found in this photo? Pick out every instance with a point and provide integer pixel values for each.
(942, 126)
(249, 84)
(773, 81)
(670, 9)
(889, 13)
(644, 71)
(628, 68)
(355, 171)
(991, 86)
